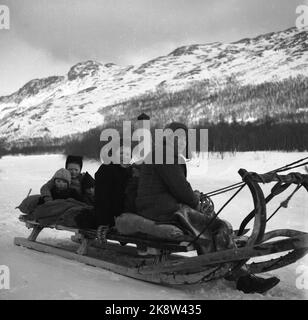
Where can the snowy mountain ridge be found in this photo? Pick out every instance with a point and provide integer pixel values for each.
(60, 106)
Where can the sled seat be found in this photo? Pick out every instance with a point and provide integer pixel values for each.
(141, 240)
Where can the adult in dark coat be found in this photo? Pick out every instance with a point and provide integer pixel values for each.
(115, 189)
(164, 195)
(114, 193)
(111, 181)
(163, 187)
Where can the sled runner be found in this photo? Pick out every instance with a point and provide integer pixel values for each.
(146, 258)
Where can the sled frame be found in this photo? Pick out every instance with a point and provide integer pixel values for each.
(177, 269)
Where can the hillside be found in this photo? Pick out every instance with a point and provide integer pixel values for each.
(246, 80)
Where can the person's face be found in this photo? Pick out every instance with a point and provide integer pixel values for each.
(74, 169)
(61, 184)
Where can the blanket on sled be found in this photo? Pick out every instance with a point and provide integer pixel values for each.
(29, 204)
(133, 224)
(60, 212)
(190, 222)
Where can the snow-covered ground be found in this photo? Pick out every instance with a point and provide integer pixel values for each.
(35, 275)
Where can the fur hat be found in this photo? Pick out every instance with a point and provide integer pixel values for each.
(63, 174)
(74, 159)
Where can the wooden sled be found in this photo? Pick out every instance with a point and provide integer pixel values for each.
(165, 262)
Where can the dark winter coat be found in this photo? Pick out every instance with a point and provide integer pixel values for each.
(110, 192)
(61, 194)
(162, 188)
(76, 185)
(65, 194)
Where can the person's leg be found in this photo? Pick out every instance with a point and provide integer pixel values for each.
(245, 281)
(85, 220)
(222, 235)
(250, 283)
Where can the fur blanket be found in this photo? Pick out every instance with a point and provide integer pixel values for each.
(61, 212)
(217, 236)
(29, 204)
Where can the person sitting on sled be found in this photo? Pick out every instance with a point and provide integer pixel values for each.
(79, 181)
(61, 187)
(115, 191)
(165, 196)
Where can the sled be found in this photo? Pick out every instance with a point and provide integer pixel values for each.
(159, 261)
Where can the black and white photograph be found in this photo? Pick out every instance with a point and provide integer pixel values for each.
(155, 151)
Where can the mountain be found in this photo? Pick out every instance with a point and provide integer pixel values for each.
(92, 93)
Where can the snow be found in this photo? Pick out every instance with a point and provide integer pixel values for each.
(37, 275)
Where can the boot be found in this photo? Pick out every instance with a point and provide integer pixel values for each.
(253, 284)
(101, 234)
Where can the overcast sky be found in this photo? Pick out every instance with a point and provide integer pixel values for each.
(47, 37)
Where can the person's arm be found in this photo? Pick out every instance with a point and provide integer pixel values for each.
(178, 186)
(46, 191)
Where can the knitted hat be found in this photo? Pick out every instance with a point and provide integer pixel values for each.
(74, 159)
(87, 181)
(63, 174)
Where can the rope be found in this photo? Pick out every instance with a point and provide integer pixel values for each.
(285, 203)
(242, 184)
(277, 189)
(288, 165)
(216, 215)
(289, 168)
(239, 184)
(225, 189)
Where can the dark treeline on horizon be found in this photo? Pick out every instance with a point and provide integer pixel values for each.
(258, 137)
(222, 137)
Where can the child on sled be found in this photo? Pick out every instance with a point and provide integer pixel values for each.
(61, 188)
(82, 183)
